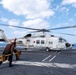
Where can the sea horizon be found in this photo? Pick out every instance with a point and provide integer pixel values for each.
(3, 44)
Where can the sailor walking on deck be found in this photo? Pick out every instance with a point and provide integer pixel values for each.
(9, 49)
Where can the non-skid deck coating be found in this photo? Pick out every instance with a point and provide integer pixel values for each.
(42, 63)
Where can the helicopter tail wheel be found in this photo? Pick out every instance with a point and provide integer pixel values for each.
(47, 49)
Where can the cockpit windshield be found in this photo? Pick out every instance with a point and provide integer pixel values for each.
(62, 39)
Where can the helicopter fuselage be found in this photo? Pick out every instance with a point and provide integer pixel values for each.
(47, 41)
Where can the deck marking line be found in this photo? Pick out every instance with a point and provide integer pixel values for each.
(54, 57)
(48, 57)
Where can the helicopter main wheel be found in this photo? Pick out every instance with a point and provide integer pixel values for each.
(25, 48)
(47, 49)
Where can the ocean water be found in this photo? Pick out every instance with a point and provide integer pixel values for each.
(74, 47)
(3, 44)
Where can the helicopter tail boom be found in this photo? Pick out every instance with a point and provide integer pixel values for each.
(3, 38)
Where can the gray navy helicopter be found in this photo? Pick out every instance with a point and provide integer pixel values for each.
(40, 40)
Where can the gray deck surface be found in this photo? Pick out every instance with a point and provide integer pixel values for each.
(42, 63)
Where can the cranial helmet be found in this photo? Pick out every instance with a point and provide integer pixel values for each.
(14, 40)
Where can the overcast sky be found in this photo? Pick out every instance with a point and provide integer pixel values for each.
(42, 14)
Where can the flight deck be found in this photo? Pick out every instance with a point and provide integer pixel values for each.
(41, 63)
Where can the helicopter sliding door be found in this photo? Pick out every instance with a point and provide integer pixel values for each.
(51, 43)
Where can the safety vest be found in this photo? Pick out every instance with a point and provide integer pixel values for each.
(7, 49)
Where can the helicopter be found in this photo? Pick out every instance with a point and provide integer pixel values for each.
(40, 40)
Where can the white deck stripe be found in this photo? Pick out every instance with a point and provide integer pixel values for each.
(48, 57)
(42, 64)
(54, 57)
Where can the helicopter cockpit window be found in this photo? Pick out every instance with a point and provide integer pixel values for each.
(28, 40)
(42, 42)
(62, 40)
(37, 41)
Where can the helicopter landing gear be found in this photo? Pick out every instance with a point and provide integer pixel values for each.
(47, 49)
(25, 48)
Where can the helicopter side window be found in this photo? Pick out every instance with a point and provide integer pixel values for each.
(37, 41)
(42, 42)
(28, 40)
(20, 42)
(50, 42)
(62, 40)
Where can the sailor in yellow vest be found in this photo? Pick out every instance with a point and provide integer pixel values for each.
(9, 49)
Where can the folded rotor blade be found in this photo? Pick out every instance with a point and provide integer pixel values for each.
(67, 34)
(63, 27)
(19, 27)
(41, 30)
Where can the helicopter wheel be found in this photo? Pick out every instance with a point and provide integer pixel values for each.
(47, 49)
(25, 48)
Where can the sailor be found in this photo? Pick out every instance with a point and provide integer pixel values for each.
(9, 49)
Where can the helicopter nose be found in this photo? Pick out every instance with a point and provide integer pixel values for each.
(68, 45)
